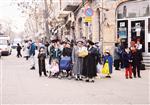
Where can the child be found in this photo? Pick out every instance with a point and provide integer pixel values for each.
(54, 68)
(127, 60)
(108, 59)
(41, 61)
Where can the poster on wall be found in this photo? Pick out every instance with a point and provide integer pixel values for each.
(122, 29)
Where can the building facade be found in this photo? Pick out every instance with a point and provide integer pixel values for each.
(107, 21)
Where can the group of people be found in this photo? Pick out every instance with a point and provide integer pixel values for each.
(80, 59)
(129, 58)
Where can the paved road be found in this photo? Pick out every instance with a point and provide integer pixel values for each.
(23, 86)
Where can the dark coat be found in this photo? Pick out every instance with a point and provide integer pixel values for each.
(137, 58)
(127, 58)
(90, 62)
(41, 61)
(56, 54)
(19, 48)
(67, 52)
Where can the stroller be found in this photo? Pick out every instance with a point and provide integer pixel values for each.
(65, 67)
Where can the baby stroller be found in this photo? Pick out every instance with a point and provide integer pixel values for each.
(65, 67)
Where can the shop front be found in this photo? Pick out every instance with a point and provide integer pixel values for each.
(134, 23)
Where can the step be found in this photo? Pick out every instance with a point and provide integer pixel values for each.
(147, 68)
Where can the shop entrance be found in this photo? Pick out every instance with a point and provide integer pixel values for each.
(138, 32)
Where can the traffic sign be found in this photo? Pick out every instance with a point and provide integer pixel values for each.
(89, 12)
(88, 19)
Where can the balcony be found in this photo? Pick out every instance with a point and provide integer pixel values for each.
(71, 5)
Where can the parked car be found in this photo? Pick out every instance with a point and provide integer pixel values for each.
(5, 45)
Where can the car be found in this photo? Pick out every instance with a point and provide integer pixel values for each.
(5, 45)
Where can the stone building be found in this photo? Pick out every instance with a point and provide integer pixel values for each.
(106, 21)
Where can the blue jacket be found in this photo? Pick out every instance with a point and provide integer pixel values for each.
(32, 49)
(110, 62)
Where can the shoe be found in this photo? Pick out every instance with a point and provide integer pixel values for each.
(32, 68)
(134, 76)
(126, 77)
(92, 81)
(59, 77)
(139, 76)
(69, 77)
(108, 76)
(87, 80)
(130, 77)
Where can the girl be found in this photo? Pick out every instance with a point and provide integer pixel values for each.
(108, 58)
(54, 68)
(127, 61)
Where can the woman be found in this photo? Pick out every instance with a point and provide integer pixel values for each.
(26, 50)
(77, 61)
(90, 62)
(116, 57)
(137, 58)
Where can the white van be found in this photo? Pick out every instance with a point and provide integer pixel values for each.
(5, 48)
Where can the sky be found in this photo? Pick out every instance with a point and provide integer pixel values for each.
(9, 12)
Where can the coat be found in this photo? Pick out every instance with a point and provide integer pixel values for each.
(41, 61)
(67, 52)
(110, 62)
(90, 62)
(56, 53)
(26, 50)
(77, 61)
(19, 48)
(116, 53)
(127, 58)
(32, 49)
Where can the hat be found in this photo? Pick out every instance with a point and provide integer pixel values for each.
(80, 40)
(107, 51)
(90, 42)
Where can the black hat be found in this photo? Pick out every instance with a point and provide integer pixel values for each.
(80, 40)
(90, 42)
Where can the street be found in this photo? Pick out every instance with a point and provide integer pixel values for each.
(20, 85)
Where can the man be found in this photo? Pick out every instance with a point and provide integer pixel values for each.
(19, 50)
(32, 54)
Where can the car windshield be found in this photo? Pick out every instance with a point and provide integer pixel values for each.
(3, 42)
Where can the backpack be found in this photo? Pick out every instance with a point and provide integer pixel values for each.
(65, 63)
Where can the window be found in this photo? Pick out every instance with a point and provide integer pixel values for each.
(134, 9)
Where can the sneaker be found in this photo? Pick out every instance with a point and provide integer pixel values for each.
(32, 68)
